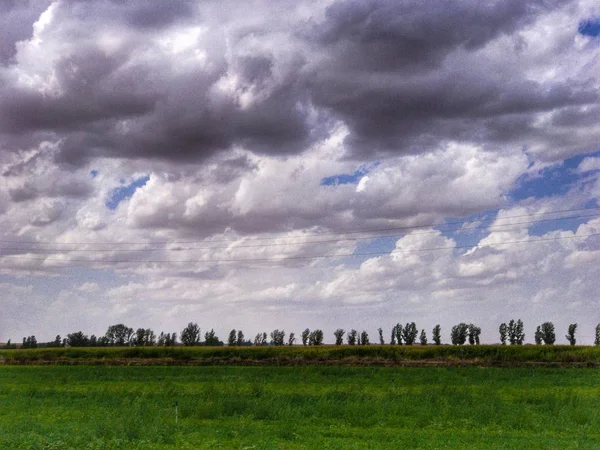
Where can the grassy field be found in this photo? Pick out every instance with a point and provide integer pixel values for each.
(492, 355)
(101, 407)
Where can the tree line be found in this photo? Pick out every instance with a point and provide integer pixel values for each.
(120, 335)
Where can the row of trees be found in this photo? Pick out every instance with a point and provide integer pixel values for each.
(120, 335)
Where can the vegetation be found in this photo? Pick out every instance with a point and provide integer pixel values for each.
(436, 334)
(571, 334)
(339, 336)
(441, 355)
(296, 408)
(547, 333)
(459, 333)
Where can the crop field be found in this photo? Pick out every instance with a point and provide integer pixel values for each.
(338, 407)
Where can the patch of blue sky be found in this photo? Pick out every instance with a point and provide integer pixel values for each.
(68, 279)
(552, 181)
(348, 178)
(589, 27)
(123, 192)
(469, 230)
(94, 173)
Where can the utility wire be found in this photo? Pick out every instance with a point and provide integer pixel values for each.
(308, 257)
(235, 247)
(374, 230)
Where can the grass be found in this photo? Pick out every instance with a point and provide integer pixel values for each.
(105, 407)
(297, 355)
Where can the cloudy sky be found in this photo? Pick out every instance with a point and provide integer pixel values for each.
(292, 164)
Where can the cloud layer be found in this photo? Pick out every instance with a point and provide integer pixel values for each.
(234, 112)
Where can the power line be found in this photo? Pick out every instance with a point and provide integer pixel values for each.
(407, 228)
(308, 257)
(478, 227)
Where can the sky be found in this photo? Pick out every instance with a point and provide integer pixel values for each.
(299, 164)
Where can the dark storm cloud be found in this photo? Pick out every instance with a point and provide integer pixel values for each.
(403, 77)
(16, 23)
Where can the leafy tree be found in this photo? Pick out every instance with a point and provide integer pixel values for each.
(351, 337)
(515, 332)
(396, 334)
(277, 337)
(211, 339)
(305, 335)
(261, 339)
(232, 339)
(102, 341)
(144, 338)
(93, 341)
(381, 341)
(240, 338)
(57, 342)
(458, 334)
(29, 342)
(291, 339)
(548, 334)
(410, 333)
(503, 329)
(423, 338)
(364, 338)
(315, 337)
(339, 336)
(190, 335)
(571, 334)
(473, 334)
(77, 339)
(597, 340)
(437, 335)
(119, 335)
(538, 336)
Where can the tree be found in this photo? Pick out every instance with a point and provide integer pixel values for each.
(119, 335)
(29, 342)
(291, 339)
(364, 338)
(458, 334)
(339, 336)
(315, 337)
(144, 338)
(277, 337)
(351, 337)
(597, 340)
(93, 341)
(437, 335)
(515, 332)
(503, 329)
(232, 339)
(473, 334)
(77, 339)
(410, 333)
(305, 335)
(381, 341)
(571, 334)
(548, 335)
(240, 338)
(423, 338)
(211, 339)
(190, 335)
(538, 336)
(397, 334)
(261, 339)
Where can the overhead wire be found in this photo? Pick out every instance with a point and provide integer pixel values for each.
(300, 257)
(157, 249)
(339, 233)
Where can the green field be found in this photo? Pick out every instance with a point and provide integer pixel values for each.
(489, 355)
(53, 407)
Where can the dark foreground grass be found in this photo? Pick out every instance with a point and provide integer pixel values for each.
(102, 407)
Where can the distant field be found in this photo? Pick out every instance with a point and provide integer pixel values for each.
(106, 407)
(484, 355)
